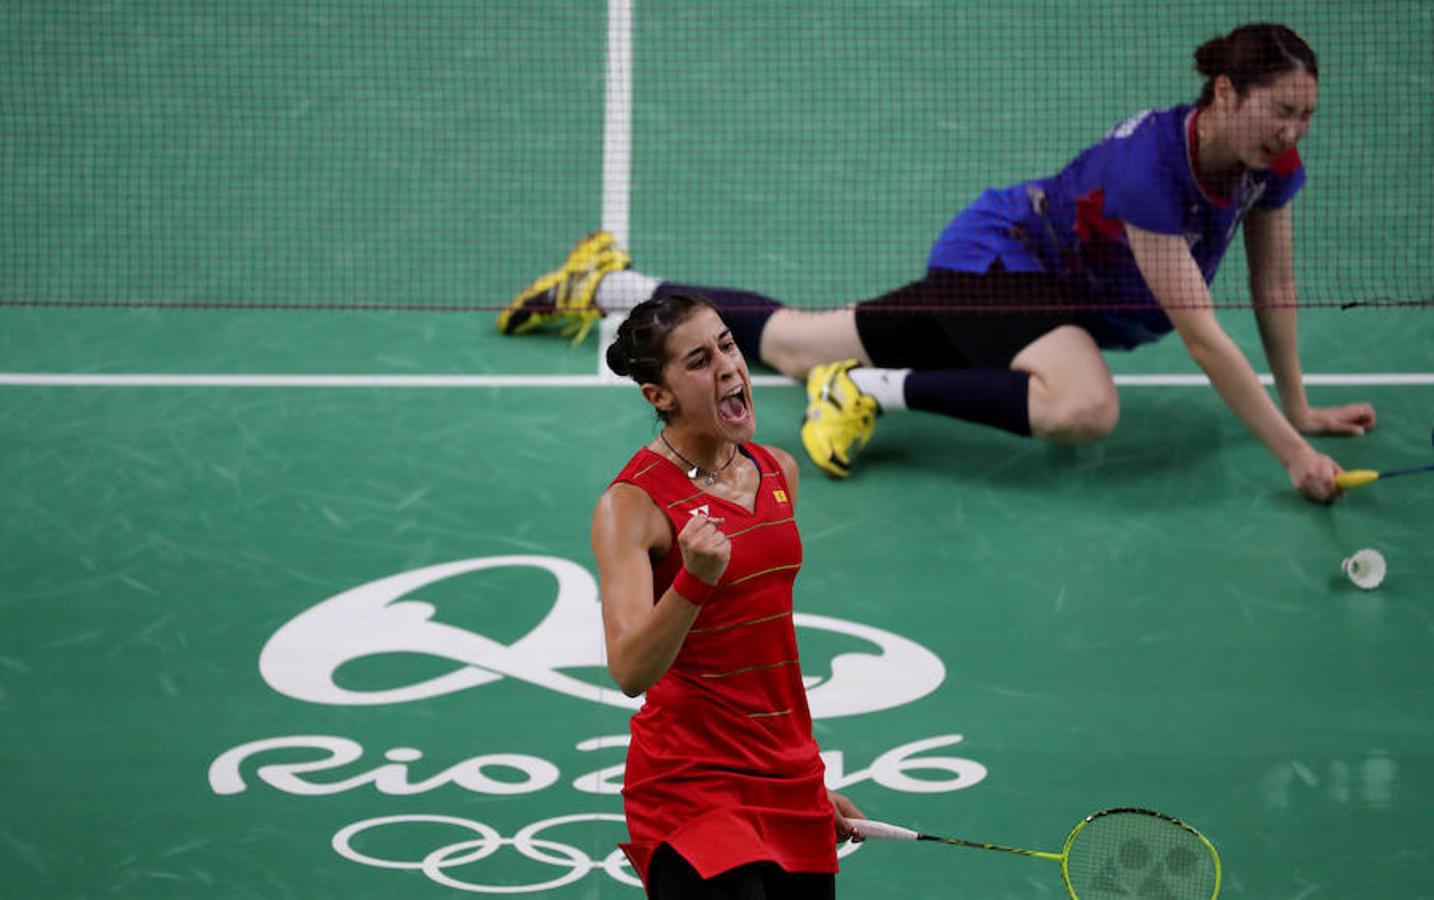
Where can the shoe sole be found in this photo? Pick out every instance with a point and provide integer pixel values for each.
(828, 462)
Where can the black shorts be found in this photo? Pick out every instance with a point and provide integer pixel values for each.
(986, 320)
(670, 877)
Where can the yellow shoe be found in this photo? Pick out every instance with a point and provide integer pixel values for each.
(566, 296)
(840, 418)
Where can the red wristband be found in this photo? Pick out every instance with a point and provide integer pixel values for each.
(691, 588)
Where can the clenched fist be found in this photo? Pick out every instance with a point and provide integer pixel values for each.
(705, 549)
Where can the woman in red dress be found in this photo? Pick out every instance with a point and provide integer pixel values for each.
(697, 550)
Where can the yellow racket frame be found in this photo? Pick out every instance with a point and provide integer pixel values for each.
(1064, 857)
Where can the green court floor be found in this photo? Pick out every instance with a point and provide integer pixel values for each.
(287, 641)
(1157, 620)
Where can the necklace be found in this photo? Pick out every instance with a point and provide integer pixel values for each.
(708, 477)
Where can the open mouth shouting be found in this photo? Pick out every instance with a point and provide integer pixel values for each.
(735, 406)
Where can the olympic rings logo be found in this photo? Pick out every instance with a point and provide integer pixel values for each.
(487, 842)
(436, 862)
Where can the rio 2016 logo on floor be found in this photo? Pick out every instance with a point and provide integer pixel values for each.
(300, 661)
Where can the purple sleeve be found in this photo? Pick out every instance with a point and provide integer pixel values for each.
(1281, 189)
(1142, 177)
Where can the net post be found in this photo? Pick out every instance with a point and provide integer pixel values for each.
(607, 333)
(617, 121)
(616, 153)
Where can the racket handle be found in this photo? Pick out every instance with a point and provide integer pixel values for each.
(1356, 478)
(870, 829)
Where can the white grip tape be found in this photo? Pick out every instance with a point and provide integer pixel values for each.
(870, 829)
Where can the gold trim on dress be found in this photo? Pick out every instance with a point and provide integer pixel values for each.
(775, 665)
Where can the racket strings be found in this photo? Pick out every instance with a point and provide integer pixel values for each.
(1136, 854)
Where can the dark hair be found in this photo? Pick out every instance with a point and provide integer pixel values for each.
(640, 349)
(1251, 56)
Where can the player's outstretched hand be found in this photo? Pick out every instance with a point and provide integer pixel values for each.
(1312, 474)
(1351, 418)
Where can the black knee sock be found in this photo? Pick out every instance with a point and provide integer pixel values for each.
(995, 397)
(744, 312)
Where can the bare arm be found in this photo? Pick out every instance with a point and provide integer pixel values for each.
(643, 638)
(1174, 278)
(1269, 246)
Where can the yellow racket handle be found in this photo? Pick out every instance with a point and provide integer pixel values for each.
(1356, 478)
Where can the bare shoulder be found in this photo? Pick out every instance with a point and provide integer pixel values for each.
(626, 514)
(624, 502)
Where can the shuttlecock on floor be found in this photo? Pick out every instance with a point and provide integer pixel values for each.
(1365, 568)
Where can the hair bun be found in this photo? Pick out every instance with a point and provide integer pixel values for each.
(619, 360)
(1252, 55)
(639, 349)
(1212, 57)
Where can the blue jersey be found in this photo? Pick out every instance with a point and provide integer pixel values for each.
(1142, 173)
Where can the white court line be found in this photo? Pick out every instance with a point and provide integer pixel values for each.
(70, 379)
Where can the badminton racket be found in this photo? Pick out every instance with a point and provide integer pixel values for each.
(1113, 853)
(1360, 477)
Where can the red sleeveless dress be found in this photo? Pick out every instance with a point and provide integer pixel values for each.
(722, 765)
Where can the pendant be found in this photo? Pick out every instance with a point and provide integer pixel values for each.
(693, 472)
